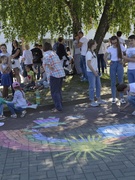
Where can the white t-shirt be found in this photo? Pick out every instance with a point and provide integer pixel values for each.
(102, 48)
(130, 52)
(76, 48)
(113, 52)
(122, 41)
(27, 54)
(93, 58)
(5, 54)
(84, 47)
(132, 87)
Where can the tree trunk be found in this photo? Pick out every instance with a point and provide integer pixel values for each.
(104, 24)
(77, 25)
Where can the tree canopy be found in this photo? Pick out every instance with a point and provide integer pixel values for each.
(32, 19)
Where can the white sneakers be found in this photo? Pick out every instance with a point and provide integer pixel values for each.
(122, 101)
(95, 104)
(101, 101)
(113, 101)
(22, 115)
(14, 116)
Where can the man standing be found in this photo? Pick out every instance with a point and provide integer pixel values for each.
(83, 41)
(101, 62)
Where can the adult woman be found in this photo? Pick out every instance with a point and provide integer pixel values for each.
(92, 73)
(116, 66)
(16, 52)
(55, 74)
(77, 54)
(61, 51)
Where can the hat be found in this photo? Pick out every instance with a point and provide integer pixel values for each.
(15, 84)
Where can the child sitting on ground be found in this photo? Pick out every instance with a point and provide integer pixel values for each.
(19, 103)
(29, 81)
(43, 82)
(68, 66)
(129, 89)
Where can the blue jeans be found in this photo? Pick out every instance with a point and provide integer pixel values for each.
(94, 82)
(56, 91)
(131, 100)
(131, 75)
(116, 70)
(14, 109)
(83, 66)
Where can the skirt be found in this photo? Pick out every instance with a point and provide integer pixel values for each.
(6, 80)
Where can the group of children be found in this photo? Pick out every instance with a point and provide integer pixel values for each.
(119, 56)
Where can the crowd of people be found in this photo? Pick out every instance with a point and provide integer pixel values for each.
(47, 66)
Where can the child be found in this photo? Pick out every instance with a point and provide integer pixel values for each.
(19, 103)
(130, 59)
(43, 82)
(93, 74)
(5, 78)
(130, 90)
(68, 64)
(29, 81)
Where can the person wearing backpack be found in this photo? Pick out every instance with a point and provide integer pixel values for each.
(37, 58)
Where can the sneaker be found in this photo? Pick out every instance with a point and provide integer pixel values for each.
(133, 113)
(14, 116)
(84, 80)
(113, 101)
(101, 101)
(94, 104)
(2, 117)
(81, 77)
(1, 123)
(122, 101)
(23, 113)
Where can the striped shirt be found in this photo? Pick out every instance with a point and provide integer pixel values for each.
(51, 59)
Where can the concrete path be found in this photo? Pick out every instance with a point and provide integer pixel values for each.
(81, 143)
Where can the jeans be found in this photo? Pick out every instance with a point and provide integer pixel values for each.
(14, 109)
(116, 70)
(83, 66)
(56, 91)
(101, 62)
(131, 75)
(94, 82)
(131, 100)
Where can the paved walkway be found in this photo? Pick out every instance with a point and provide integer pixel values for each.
(81, 143)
